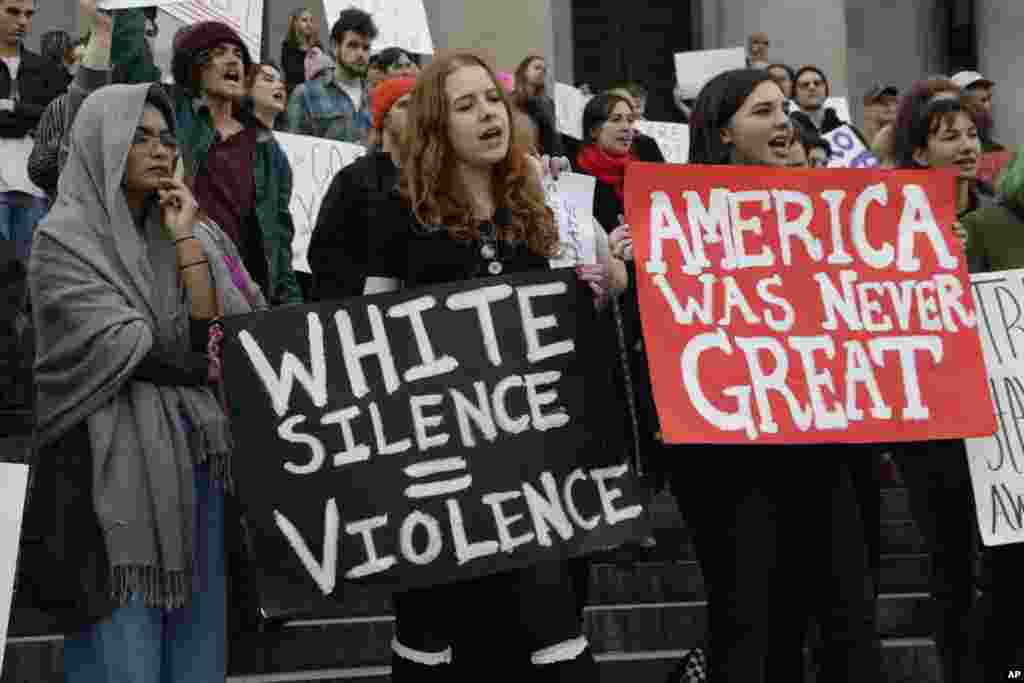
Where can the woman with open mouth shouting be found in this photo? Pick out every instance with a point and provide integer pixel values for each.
(751, 533)
(267, 95)
(472, 206)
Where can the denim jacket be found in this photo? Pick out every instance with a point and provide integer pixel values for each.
(321, 108)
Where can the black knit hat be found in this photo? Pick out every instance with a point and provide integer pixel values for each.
(192, 42)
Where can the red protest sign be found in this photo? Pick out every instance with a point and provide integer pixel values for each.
(784, 306)
(991, 165)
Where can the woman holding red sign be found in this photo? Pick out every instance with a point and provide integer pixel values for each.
(754, 510)
(472, 206)
(936, 128)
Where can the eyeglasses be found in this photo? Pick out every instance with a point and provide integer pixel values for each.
(166, 139)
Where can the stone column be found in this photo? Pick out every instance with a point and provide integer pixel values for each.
(802, 32)
(506, 31)
(1000, 27)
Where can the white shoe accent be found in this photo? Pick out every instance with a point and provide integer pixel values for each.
(420, 657)
(560, 652)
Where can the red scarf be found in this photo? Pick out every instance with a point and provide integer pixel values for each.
(608, 168)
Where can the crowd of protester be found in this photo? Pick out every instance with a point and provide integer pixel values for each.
(142, 213)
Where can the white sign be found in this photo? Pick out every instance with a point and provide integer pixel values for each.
(13, 483)
(400, 23)
(997, 462)
(848, 150)
(841, 107)
(569, 105)
(673, 139)
(133, 4)
(694, 69)
(315, 162)
(571, 198)
(245, 16)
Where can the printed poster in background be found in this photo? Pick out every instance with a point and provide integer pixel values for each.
(401, 23)
(315, 162)
(13, 484)
(997, 462)
(569, 105)
(694, 69)
(805, 306)
(673, 138)
(848, 149)
(426, 436)
(245, 16)
(571, 198)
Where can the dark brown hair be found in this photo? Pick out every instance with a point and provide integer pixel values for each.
(293, 32)
(522, 88)
(921, 113)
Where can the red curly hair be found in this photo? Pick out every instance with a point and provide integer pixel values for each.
(428, 163)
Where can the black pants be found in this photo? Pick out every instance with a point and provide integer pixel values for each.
(941, 500)
(767, 524)
(1000, 636)
(493, 625)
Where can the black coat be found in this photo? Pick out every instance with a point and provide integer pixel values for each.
(645, 148)
(39, 82)
(293, 61)
(349, 211)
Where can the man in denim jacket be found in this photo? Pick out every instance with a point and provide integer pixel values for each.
(336, 105)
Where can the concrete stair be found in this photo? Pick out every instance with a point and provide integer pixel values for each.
(646, 608)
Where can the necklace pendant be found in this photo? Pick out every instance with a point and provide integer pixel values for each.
(495, 268)
(488, 251)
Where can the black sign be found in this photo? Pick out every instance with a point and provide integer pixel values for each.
(426, 436)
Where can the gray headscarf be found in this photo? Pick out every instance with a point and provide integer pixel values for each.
(104, 293)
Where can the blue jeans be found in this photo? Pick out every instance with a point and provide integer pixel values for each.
(139, 644)
(19, 214)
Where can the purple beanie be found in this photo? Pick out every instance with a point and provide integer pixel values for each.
(191, 42)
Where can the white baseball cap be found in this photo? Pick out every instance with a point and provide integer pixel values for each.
(965, 79)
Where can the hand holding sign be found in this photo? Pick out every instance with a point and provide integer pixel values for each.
(426, 436)
(769, 315)
(571, 198)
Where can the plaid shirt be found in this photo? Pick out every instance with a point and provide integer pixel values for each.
(321, 108)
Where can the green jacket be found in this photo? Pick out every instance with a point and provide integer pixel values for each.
(196, 132)
(273, 176)
(995, 239)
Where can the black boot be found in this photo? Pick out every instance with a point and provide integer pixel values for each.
(407, 671)
(582, 669)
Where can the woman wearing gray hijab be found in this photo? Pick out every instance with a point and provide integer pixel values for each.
(132, 443)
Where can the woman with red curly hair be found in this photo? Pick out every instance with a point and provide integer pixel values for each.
(472, 206)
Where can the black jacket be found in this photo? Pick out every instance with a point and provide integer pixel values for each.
(39, 83)
(645, 148)
(337, 250)
(293, 61)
